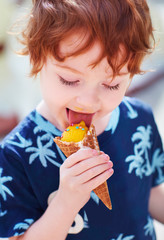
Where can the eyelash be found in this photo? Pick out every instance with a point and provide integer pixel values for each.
(74, 83)
(112, 88)
(68, 83)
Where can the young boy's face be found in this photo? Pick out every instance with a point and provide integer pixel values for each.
(73, 90)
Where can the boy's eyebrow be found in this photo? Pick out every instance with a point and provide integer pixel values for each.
(69, 68)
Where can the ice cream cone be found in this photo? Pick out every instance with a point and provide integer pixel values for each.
(90, 140)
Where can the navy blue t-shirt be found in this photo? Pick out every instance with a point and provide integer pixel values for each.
(29, 172)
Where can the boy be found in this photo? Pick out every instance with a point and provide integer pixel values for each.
(87, 53)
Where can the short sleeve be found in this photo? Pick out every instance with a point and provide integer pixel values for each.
(19, 207)
(157, 157)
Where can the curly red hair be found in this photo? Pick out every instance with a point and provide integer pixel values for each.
(111, 22)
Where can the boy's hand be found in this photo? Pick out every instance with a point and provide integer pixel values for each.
(82, 172)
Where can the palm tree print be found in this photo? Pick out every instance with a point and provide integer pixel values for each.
(140, 160)
(157, 164)
(149, 228)
(22, 226)
(86, 224)
(121, 237)
(22, 142)
(43, 124)
(114, 120)
(4, 190)
(42, 151)
(131, 112)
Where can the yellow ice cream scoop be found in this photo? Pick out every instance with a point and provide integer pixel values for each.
(75, 132)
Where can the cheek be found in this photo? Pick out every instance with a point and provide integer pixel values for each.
(118, 96)
(54, 94)
(114, 98)
(49, 86)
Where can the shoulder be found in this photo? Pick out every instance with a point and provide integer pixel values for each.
(135, 115)
(18, 139)
(138, 116)
(25, 124)
(28, 140)
(137, 104)
(134, 108)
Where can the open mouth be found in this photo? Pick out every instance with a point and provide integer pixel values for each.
(77, 117)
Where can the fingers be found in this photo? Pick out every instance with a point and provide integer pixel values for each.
(85, 170)
(101, 178)
(89, 163)
(85, 159)
(80, 155)
(95, 171)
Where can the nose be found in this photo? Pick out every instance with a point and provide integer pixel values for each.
(88, 101)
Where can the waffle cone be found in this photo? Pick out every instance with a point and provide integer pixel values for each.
(90, 140)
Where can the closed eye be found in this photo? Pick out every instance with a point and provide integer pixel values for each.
(116, 87)
(68, 83)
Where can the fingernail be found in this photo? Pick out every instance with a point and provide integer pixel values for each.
(106, 157)
(111, 170)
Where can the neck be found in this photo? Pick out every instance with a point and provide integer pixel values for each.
(101, 124)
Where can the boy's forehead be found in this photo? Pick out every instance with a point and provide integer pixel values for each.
(83, 60)
(75, 42)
